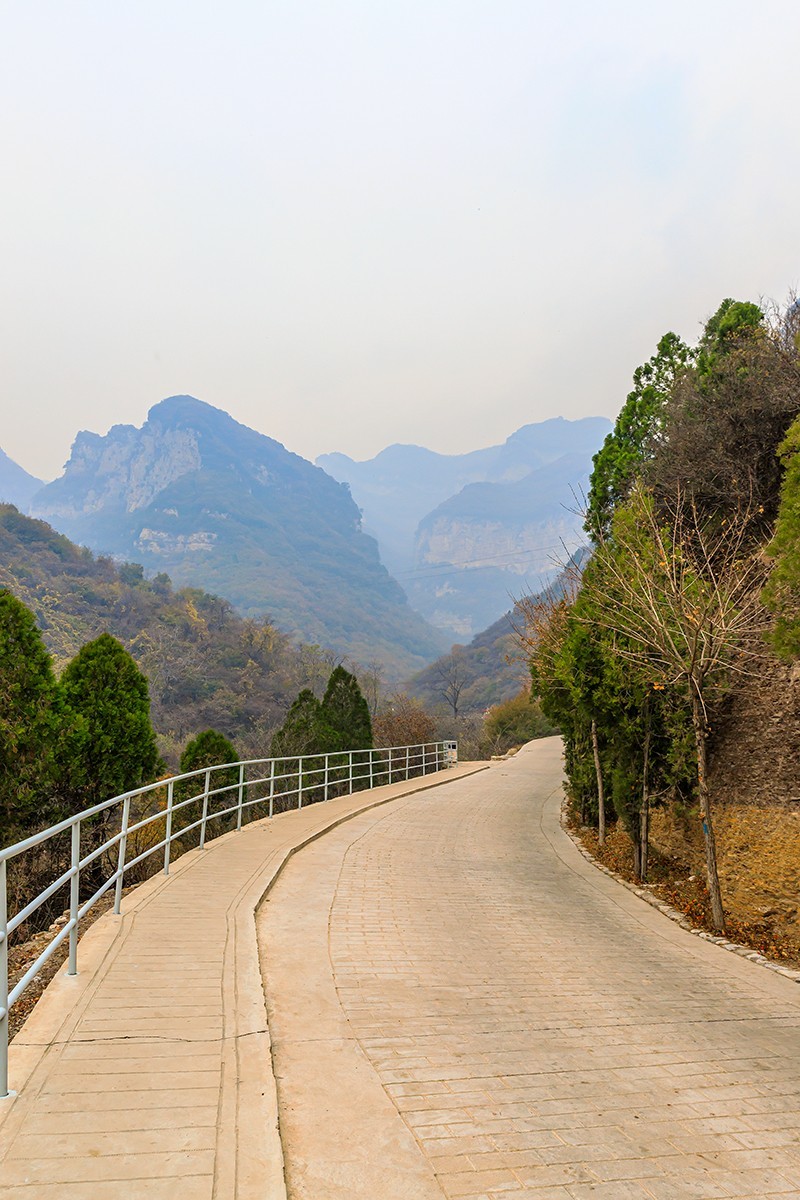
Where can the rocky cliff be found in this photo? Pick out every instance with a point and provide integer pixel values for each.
(215, 504)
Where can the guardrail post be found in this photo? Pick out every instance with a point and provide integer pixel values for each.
(168, 830)
(326, 776)
(241, 797)
(300, 782)
(370, 769)
(3, 984)
(408, 769)
(123, 846)
(350, 772)
(271, 785)
(205, 809)
(73, 898)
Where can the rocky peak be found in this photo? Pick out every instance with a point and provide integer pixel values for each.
(124, 470)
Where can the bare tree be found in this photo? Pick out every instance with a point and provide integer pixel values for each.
(450, 678)
(316, 664)
(681, 596)
(370, 678)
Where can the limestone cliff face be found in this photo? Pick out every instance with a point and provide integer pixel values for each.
(171, 545)
(495, 541)
(126, 469)
(519, 550)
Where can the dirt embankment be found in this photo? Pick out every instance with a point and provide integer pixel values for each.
(755, 783)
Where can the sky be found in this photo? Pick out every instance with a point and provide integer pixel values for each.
(356, 223)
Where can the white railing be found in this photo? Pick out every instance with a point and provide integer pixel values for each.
(134, 826)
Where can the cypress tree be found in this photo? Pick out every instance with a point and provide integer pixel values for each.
(782, 593)
(304, 731)
(30, 722)
(346, 712)
(209, 749)
(116, 747)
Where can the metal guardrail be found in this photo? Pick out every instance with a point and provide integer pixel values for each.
(275, 784)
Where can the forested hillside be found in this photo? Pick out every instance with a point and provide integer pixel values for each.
(206, 666)
(489, 670)
(671, 663)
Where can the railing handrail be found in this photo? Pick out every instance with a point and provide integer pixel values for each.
(419, 758)
(44, 835)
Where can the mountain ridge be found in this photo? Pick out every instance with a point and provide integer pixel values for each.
(217, 504)
(461, 530)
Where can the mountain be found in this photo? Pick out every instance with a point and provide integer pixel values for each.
(512, 535)
(214, 504)
(16, 485)
(465, 533)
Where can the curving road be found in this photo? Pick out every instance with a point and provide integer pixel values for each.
(461, 1005)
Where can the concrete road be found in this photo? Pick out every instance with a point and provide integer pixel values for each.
(461, 1005)
(148, 1075)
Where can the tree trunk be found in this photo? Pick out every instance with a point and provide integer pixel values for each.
(644, 817)
(699, 723)
(601, 806)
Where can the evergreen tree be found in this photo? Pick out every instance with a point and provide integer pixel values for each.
(31, 723)
(733, 320)
(208, 749)
(115, 750)
(346, 712)
(618, 463)
(782, 593)
(725, 420)
(304, 731)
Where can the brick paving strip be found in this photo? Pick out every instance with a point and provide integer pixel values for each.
(148, 1075)
(461, 1005)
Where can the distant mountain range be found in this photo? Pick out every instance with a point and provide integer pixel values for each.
(216, 505)
(213, 504)
(466, 533)
(16, 485)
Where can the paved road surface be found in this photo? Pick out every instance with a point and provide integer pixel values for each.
(461, 1005)
(147, 1076)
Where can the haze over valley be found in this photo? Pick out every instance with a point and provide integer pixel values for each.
(464, 533)
(438, 546)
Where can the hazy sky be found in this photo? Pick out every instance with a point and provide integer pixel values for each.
(351, 224)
